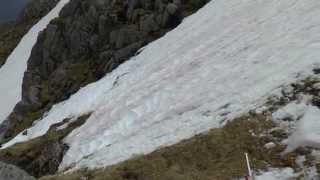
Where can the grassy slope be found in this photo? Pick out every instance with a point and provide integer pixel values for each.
(218, 154)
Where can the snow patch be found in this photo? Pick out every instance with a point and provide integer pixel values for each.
(291, 112)
(302, 121)
(307, 131)
(277, 174)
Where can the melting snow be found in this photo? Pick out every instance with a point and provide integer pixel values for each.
(291, 112)
(302, 121)
(11, 73)
(277, 174)
(219, 63)
(307, 132)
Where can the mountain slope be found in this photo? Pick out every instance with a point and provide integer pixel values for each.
(11, 73)
(9, 10)
(88, 40)
(11, 32)
(219, 153)
(219, 63)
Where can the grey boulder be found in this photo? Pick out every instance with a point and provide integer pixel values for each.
(10, 172)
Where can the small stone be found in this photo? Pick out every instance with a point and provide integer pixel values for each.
(149, 24)
(316, 86)
(10, 172)
(172, 8)
(25, 132)
(270, 145)
(287, 91)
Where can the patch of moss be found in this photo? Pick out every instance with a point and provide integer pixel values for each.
(45, 93)
(79, 72)
(58, 21)
(216, 155)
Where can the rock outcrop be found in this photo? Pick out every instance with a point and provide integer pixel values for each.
(10, 172)
(35, 10)
(90, 39)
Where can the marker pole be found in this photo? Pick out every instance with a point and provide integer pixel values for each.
(248, 165)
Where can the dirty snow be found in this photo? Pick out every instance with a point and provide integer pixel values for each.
(291, 112)
(307, 132)
(277, 174)
(11, 73)
(219, 63)
(302, 121)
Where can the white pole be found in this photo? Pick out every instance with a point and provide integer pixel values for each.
(248, 165)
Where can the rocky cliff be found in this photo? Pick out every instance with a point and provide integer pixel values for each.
(12, 32)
